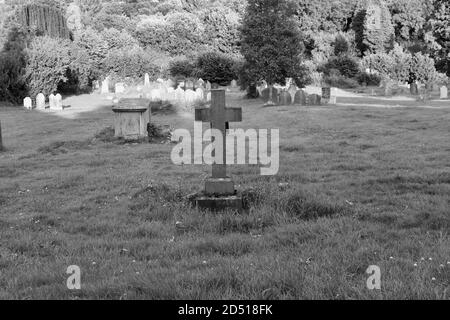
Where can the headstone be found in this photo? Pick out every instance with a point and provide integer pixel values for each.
(51, 101)
(234, 84)
(300, 97)
(40, 101)
(333, 100)
(96, 85)
(190, 96)
(326, 93)
(163, 92)
(444, 92)
(179, 95)
(28, 103)
(414, 89)
(208, 86)
(200, 94)
(219, 190)
(189, 84)
(170, 94)
(315, 100)
(146, 80)
(58, 102)
(105, 86)
(120, 88)
(285, 98)
(292, 91)
(208, 96)
(266, 94)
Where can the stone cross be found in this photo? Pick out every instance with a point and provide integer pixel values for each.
(219, 116)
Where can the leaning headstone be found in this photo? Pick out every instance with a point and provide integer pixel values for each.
(300, 97)
(219, 192)
(40, 101)
(58, 102)
(105, 86)
(266, 94)
(315, 100)
(120, 88)
(28, 103)
(285, 98)
(444, 92)
(146, 80)
(51, 101)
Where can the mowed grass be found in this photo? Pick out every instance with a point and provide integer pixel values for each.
(357, 186)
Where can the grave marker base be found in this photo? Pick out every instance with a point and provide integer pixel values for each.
(216, 204)
(219, 187)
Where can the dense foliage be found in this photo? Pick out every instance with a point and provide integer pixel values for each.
(322, 40)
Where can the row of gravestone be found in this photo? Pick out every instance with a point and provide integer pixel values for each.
(55, 102)
(186, 98)
(294, 96)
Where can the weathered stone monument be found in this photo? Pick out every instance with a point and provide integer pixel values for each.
(219, 193)
(146, 80)
(285, 98)
(131, 118)
(326, 94)
(58, 102)
(444, 92)
(300, 97)
(51, 101)
(28, 103)
(40, 101)
(266, 95)
(315, 100)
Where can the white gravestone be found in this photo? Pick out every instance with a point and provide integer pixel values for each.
(444, 92)
(51, 101)
(40, 101)
(170, 94)
(179, 96)
(190, 96)
(58, 102)
(28, 103)
(146, 80)
(105, 86)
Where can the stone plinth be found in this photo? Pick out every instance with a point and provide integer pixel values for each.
(131, 117)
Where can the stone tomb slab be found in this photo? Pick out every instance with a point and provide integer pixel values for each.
(131, 118)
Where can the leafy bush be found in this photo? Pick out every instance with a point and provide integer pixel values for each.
(336, 79)
(48, 62)
(131, 63)
(182, 68)
(95, 47)
(12, 86)
(341, 45)
(216, 67)
(347, 66)
(116, 39)
(369, 79)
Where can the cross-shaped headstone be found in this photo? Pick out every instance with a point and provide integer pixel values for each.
(219, 116)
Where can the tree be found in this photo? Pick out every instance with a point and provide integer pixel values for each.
(373, 27)
(440, 24)
(271, 43)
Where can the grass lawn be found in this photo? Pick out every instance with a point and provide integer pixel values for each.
(358, 185)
